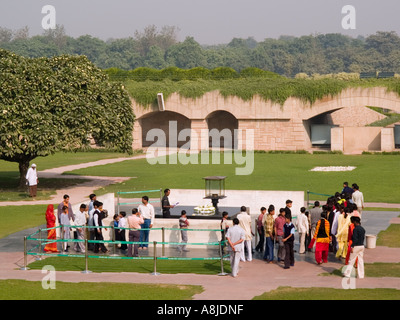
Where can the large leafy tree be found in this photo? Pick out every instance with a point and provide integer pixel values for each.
(54, 104)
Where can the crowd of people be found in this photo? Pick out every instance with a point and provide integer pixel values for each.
(333, 227)
(87, 223)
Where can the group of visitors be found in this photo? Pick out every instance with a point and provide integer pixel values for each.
(333, 227)
(87, 223)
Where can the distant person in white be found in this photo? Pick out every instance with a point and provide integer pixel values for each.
(245, 223)
(358, 198)
(235, 237)
(147, 212)
(32, 180)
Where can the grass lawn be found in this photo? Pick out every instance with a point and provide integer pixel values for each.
(9, 174)
(314, 293)
(377, 270)
(374, 174)
(212, 267)
(33, 290)
(18, 218)
(389, 237)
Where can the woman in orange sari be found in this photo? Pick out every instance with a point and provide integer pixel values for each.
(322, 239)
(51, 234)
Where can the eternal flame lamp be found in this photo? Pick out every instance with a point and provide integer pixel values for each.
(215, 190)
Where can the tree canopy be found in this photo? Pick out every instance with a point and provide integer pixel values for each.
(54, 104)
(160, 48)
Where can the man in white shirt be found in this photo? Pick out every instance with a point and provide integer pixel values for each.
(303, 229)
(147, 212)
(235, 237)
(358, 198)
(80, 221)
(32, 180)
(245, 224)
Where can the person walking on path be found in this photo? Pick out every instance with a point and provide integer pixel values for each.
(321, 239)
(235, 236)
(245, 224)
(134, 223)
(357, 249)
(269, 234)
(278, 230)
(147, 212)
(32, 180)
(303, 229)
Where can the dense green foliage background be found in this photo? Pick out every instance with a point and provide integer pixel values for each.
(53, 104)
(160, 48)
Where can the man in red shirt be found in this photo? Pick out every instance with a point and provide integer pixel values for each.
(279, 223)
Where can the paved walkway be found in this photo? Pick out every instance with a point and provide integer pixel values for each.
(79, 192)
(255, 277)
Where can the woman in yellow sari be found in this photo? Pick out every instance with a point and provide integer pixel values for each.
(51, 233)
(343, 233)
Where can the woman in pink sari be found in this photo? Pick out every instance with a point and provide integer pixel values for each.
(51, 234)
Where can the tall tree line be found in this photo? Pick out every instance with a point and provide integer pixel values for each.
(159, 48)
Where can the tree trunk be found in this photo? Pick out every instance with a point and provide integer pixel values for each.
(23, 166)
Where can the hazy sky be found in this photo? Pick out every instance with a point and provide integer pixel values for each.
(208, 21)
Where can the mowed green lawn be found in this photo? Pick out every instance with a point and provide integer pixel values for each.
(315, 293)
(33, 290)
(9, 174)
(377, 175)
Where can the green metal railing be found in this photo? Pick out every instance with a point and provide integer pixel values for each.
(37, 250)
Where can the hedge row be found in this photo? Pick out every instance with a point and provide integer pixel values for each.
(177, 74)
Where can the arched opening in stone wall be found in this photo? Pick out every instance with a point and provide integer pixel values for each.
(162, 128)
(318, 129)
(222, 126)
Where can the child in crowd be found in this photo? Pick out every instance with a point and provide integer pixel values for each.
(116, 230)
(288, 239)
(183, 225)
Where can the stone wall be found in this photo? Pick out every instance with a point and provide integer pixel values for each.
(276, 127)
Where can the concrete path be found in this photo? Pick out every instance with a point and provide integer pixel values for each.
(255, 277)
(79, 192)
